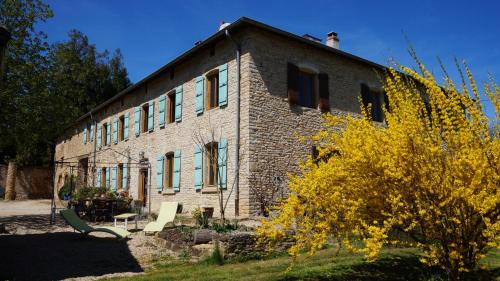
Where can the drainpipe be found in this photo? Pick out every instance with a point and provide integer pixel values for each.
(94, 123)
(237, 144)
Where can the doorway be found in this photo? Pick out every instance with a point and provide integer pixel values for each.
(143, 186)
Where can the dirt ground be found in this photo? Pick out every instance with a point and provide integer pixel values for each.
(33, 249)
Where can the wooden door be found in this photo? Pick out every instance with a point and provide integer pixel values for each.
(143, 183)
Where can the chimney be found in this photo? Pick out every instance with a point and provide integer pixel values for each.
(332, 40)
(223, 25)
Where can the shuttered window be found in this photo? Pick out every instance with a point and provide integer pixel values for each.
(99, 135)
(375, 100)
(125, 177)
(115, 130)
(222, 163)
(107, 128)
(150, 115)
(176, 181)
(198, 167)
(301, 87)
(161, 110)
(113, 178)
(212, 94)
(137, 121)
(171, 107)
(223, 85)
(324, 93)
(169, 169)
(178, 104)
(85, 135)
(199, 94)
(159, 172)
(211, 164)
(125, 126)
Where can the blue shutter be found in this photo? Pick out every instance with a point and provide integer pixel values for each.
(223, 85)
(85, 135)
(137, 121)
(99, 135)
(115, 130)
(161, 107)
(92, 132)
(98, 178)
(159, 173)
(108, 134)
(125, 126)
(200, 92)
(125, 177)
(113, 179)
(198, 167)
(151, 113)
(107, 177)
(222, 163)
(178, 104)
(177, 170)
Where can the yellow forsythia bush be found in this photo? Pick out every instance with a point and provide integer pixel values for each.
(431, 172)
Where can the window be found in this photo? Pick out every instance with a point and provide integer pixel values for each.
(212, 100)
(169, 170)
(376, 99)
(144, 118)
(104, 179)
(302, 87)
(211, 159)
(119, 177)
(171, 107)
(89, 133)
(121, 128)
(105, 133)
(307, 93)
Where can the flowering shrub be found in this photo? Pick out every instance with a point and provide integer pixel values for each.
(431, 172)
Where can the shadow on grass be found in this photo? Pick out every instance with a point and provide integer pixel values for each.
(389, 268)
(60, 255)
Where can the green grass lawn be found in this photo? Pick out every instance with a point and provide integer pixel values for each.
(394, 264)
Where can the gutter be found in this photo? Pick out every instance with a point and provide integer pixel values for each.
(237, 127)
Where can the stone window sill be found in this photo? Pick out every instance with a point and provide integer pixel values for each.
(168, 192)
(209, 189)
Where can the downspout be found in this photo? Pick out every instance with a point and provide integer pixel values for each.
(237, 144)
(95, 146)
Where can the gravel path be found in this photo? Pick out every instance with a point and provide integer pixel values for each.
(33, 249)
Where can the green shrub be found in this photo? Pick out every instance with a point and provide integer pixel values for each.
(216, 257)
(224, 227)
(200, 217)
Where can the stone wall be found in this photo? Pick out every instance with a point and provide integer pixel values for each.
(274, 123)
(174, 135)
(31, 182)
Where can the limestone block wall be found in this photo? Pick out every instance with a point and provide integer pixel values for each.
(274, 123)
(174, 136)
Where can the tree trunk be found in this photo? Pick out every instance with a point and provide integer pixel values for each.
(10, 188)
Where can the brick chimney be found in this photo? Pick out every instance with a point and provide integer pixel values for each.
(332, 40)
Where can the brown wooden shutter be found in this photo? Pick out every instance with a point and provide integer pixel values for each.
(293, 83)
(324, 94)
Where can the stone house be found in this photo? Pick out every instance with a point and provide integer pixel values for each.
(236, 99)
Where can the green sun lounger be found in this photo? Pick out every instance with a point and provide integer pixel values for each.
(79, 225)
(166, 215)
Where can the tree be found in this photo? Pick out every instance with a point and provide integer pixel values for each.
(48, 86)
(431, 172)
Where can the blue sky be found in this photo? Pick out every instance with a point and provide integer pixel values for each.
(151, 33)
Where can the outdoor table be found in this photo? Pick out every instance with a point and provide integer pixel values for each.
(125, 217)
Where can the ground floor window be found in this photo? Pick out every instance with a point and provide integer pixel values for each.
(211, 153)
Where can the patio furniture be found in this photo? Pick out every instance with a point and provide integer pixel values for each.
(79, 225)
(166, 215)
(125, 217)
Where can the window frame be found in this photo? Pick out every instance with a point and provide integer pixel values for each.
(104, 134)
(211, 164)
(144, 118)
(170, 107)
(304, 72)
(209, 95)
(168, 171)
(121, 128)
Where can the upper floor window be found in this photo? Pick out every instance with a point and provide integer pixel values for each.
(212, 97)
(144, 118)
(171, 107)
(121, 128)
(105, 132)
(307, 88)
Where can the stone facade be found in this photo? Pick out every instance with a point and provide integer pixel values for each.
(268, 122)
